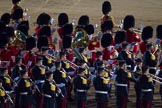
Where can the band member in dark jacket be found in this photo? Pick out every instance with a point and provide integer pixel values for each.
(100, 84)
(2, 96)
(38, 75)
(49, 91)
(81, 85)
(60, 78)
(147, 86)
(122, 85)
(24, 90)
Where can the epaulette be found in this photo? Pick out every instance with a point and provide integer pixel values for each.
(67, 65)
(129, 56)
(129, 75)
(7, 80)
(42, 71)
(152, 57)
(53, 87)
(105, 81)
(84, 81)
(106, 75)
(63, 74)
(2, 93)
(150, 79)
(27, 83)
(49, 60)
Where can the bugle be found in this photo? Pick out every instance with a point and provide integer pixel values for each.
(33, 83)
(155, 78)
(58, 88)
(8, 96)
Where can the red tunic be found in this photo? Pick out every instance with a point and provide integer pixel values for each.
(143, 47)
(109, 55)
(5, 55)
(92, 45)
(133, 37)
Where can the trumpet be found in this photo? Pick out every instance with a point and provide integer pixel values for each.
(12, 80)
(156, 78)
(72, 64)
(33, 83)
(8, 96)
(58, 88)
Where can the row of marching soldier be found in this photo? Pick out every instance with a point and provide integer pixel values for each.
(40, 76)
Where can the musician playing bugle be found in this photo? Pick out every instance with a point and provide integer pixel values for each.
(24, 90)
(81, 86)
(100, 84)
(49, 92)
(3, 96)
(146, 85)
(38, 75)
(60, 78)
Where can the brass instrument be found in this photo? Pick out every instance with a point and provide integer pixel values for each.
(72, 64)
(8, 96)
(81, 38)
(12, 80)
(20, 38)
(58, 88)
(34, 84)
(156, 78)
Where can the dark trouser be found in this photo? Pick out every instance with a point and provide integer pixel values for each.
(25, 101)
(81, 98)
(101, 105)
(61, 101)
(138, 99)
(49, 103)
(2, 105)
(121, 101)
(160, 91)
(146, 103)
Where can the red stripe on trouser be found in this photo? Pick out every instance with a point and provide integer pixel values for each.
(41, 101)
(105, 104)
(83, 104)
(148, 104)
(63, 103)
(140, 103)
(124, 102)
(6, 105)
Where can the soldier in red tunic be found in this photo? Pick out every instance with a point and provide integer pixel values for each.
(120, 37)
(147, 34)
(106, 9)
(131, 36)
(30, 55)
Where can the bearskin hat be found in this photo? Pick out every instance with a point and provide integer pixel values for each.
(62, 19)
(147, 33)
(46, 30)
(18, 13)
(15, 1)
(42, 42)
(67, 42)
(107, 25)
(10, 31)
(106, 7)
(67, 29)
(43, 19)
(89, 29)
(6, 18)
(24, 27)
(159, 32)
(3, 39)
(30, 43)
(120, 37)
(83, 20)
(129, 21)
(106, 40)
